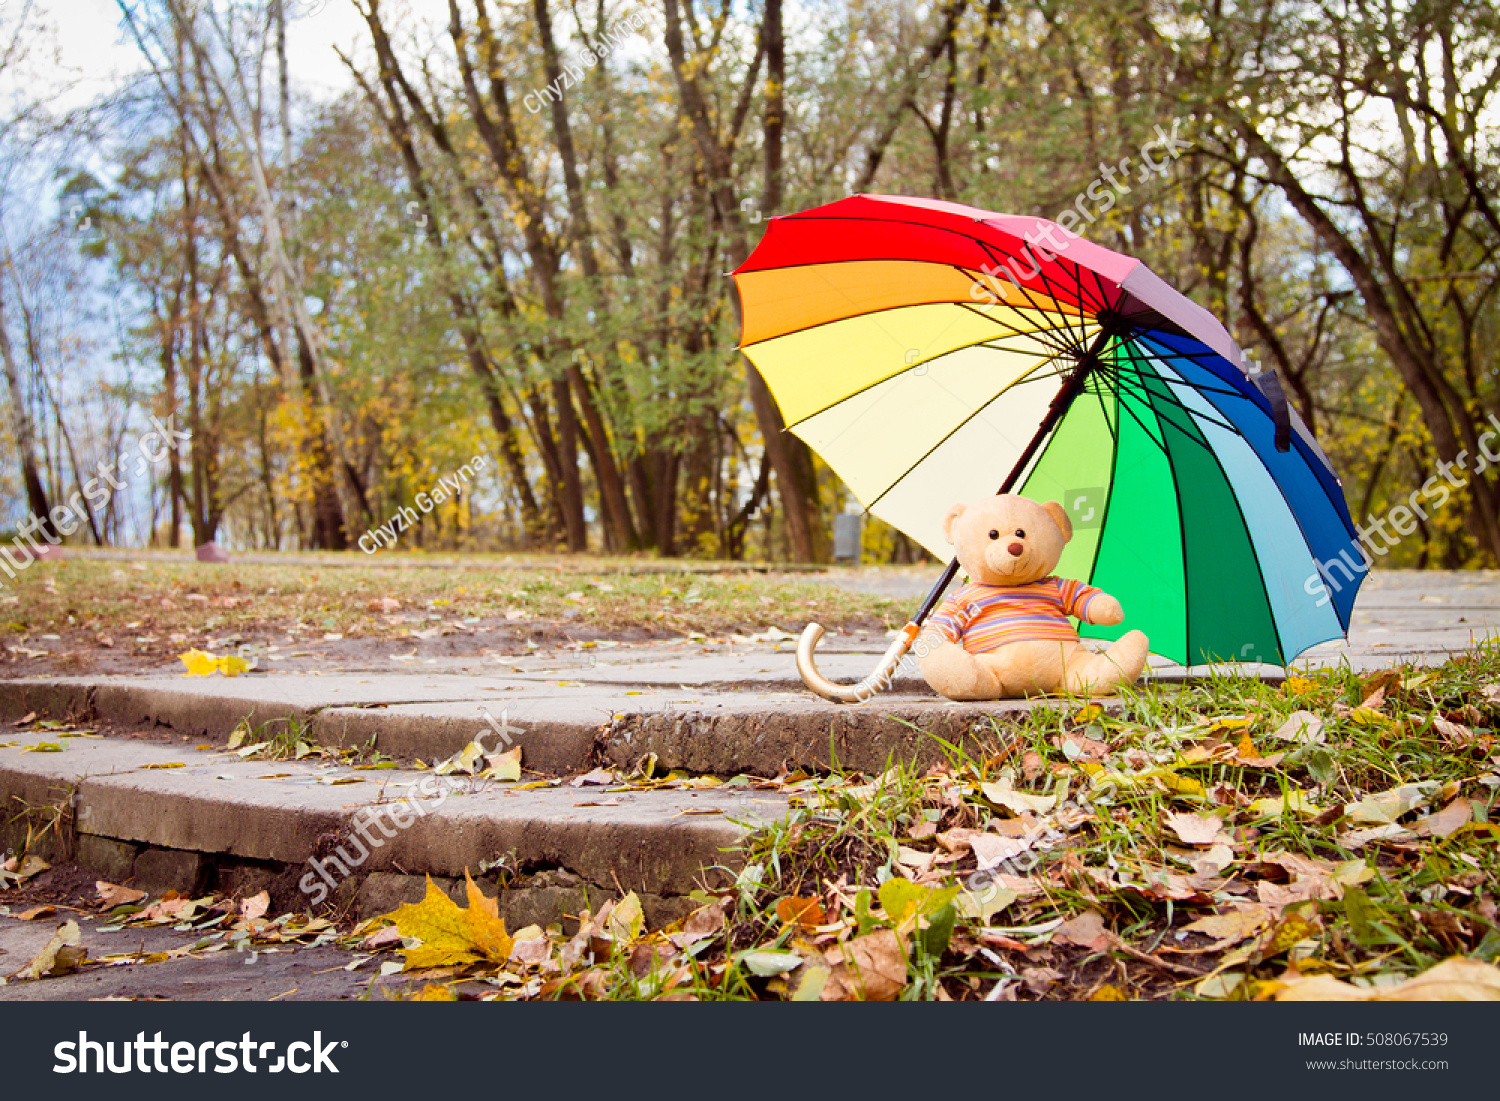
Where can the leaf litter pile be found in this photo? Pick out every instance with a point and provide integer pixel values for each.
(1330, 838)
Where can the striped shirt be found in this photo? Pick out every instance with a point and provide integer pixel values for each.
(981, 618)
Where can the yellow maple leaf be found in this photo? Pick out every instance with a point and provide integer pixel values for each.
(451, 935)
(199, 664)
(486, 928)
(202, 664)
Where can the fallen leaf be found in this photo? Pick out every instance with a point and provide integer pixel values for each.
(1301, 726)
(1229, 929)
(63, 954)
(1387, 806)
(387, 937)
(255, 906)
(1195, 829)
(625, 919)
(597, 776)
(36, 912)
(450, 935)
(869, 968)
(982, 905)
(1086, 930)
(202, 664)
(767, 964)
(1453, 733)
(1453, 980)
(1017, 802)
(806, 912)
(1293, 801)
(503, 766)
(1446, 822)
(113, 895)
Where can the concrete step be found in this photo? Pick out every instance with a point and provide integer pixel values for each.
(165, 815)
(564, 726)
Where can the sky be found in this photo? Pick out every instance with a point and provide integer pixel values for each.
(94, 53)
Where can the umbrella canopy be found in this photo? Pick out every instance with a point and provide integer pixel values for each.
(918, 345)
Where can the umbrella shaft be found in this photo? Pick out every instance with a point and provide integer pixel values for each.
(1069, 390)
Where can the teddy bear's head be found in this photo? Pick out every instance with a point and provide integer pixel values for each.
(1008, 540)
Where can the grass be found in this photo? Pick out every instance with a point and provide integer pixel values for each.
(123, 602)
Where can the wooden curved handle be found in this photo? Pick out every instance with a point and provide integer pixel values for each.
(877, 681)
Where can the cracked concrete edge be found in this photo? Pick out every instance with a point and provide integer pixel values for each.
(636, 848)
(811, 735)
(190, 713)
(863, 738)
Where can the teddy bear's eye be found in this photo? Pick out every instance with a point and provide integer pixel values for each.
(1020, 534)
(994, 535)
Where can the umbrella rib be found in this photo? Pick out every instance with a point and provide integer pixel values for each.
(1082, 333)
(1041, 334)
(952, 432)
(1104, 301)
(1135, 386)
(1114, 462)
(1137, 376)
(1003, 261)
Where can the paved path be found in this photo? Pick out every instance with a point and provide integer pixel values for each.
(159, 796)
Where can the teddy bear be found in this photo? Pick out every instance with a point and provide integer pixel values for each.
(1007, 632)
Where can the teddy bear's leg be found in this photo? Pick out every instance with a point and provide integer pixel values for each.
(957, 674)
(1099, 674)
(1026, 668)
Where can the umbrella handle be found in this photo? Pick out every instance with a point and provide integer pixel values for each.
(877, 681)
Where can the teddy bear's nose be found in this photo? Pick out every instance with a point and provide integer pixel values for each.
(1016, 549)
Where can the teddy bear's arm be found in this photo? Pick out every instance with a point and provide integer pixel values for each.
(1095, 606)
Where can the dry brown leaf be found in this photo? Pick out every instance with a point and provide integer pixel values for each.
(255, 906)
(1446, 822)
(1086, 930)
(1231, 928)
(36, 912)
(1453, 980)
(63, 954)
(1195, 829)
(112, 894)
(870, 968)
(1453, 733)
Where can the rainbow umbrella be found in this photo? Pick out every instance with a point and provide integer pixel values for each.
(924, 349)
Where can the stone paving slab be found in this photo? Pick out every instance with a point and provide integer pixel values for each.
(707, 705)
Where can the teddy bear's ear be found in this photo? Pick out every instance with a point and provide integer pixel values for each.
(948, 521)
(1057, 513)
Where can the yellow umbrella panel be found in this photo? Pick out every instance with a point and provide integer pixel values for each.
(923, 387)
